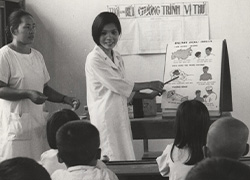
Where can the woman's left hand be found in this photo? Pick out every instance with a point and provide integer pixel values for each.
(72, 101)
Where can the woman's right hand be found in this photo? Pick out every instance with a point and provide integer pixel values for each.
(156, 85)
(37, 97)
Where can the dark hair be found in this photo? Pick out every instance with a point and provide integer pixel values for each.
(100, 21)
(197, 54)
(205, 67)
(219, 169)
(191, 127)
(56, 121)
(209, 48)
(77, 143)
(197, 91)
(22, 168)
(14, 20)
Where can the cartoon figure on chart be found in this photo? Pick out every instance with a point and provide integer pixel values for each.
(176, 97)
(198, 96)
(211, 96)
(181, 74)
(205, 76)
(197, 55)
(208, 52)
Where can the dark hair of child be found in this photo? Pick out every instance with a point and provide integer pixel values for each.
(191, 126)
(22, 168)
(58, 119)
(102, 20)
(218, 168)
(78, 143)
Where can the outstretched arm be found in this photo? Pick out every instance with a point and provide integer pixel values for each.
(54, 96)
(13, 94)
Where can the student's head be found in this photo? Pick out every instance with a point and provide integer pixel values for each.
(21, 26)
(22, 168)
(205, 69)
(227, 137)
(78, 143)
(208, 50)
(106, 30)
(58, 119)
(219, 169)
(191, 126)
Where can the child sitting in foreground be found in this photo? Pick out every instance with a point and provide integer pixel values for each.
(191, 126)
(227, 137)
(78, 147)
(49, 158)
(219, 168)
(22, 168)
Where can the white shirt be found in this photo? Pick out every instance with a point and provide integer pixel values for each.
(107, 93)
(84, 173)
(176, 170)
(23, 124)
(50, 162)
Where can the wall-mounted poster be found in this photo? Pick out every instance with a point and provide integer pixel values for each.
(147, 28)
(198, 67)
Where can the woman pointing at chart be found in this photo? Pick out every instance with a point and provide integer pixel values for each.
(108, 89)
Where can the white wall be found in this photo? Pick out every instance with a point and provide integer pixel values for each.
(64, 38)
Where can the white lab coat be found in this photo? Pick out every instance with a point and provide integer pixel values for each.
(23, 124)
(107, 93)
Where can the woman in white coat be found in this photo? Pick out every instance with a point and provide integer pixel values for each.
(23, 90)
(108, 89)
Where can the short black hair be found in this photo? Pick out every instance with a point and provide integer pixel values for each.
(218, 168)
(58, 119)
(197, 54)
(209, 48)
(77, 143)
(22, 168)
(102, 20)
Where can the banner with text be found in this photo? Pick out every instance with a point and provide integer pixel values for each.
(147, 28)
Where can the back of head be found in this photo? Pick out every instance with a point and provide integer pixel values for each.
(191, 126)
(58, 119)
(219, 169)
(78, 143)
(21, 168)
(227, 137)
(100, 21)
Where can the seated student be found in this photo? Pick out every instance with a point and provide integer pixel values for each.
(22, 168)
(191, 126)
(49, 158)
(227, 137)
(219, 168)
(78, 147)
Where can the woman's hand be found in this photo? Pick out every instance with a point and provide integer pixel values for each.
(156, 85)
(72, 101)
(37, 97)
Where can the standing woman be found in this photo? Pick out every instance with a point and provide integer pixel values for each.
(108, 89)
(23, 90)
